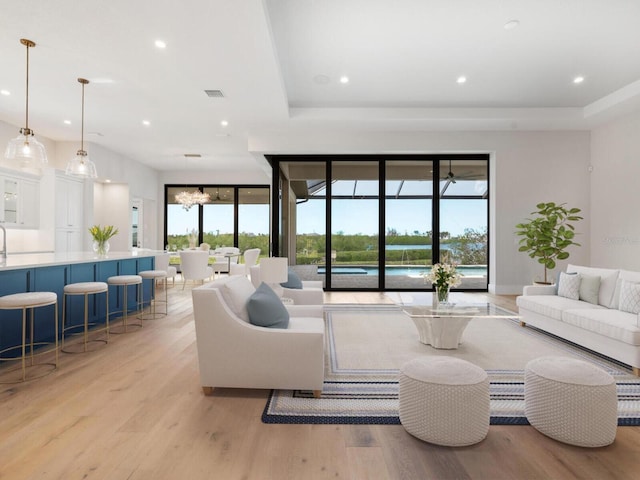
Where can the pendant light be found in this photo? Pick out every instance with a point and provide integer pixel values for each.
(80, 165)
(25, 149)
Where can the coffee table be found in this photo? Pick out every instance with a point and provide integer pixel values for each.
(442, 326)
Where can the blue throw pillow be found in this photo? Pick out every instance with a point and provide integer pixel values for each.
(266, 309)
(293, 281)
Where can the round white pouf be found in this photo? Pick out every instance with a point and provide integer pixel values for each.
(444, 400)
(571, 401)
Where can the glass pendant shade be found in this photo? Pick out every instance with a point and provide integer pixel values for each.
(26, 150)
(81, 166)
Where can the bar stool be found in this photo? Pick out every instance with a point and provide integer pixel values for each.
(24, 302)
(86, 289)
(154, 275)
(125, 281)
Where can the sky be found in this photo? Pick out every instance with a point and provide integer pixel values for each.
(349, 216)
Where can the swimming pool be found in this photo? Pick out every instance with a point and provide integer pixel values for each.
(467, 271)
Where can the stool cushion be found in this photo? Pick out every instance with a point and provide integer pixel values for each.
(86, 287)
(153, 274)
(28, 299)
(444, 400)
(124, 280)
(572, 401)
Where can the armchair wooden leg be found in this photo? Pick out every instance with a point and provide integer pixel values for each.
(317, 393)
(208, 391)
(636, 371)
(523, 324)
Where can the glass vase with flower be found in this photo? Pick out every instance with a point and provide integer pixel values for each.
(444, 277)
(101, 236)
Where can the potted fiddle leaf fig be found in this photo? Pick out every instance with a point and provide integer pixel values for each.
(548, 234)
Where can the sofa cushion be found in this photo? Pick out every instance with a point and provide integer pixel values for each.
(608, 279)
(552, 305)
(629, 297)
(569, 286)
(266, 309)
(614, 324)
(236, 291)
(589, 288)
(293, 280)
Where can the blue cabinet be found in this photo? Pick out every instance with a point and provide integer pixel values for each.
(53, 279)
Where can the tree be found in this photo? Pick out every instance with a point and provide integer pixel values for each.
(470, 248)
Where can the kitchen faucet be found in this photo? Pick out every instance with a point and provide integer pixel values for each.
(4, 243)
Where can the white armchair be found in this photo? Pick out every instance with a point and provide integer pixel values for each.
(234, 353)
(250, 259)
(194, 265)
(311, 293)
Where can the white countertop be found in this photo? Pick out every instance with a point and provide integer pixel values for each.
(16, 261)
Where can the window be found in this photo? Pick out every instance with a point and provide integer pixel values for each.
(235, 216)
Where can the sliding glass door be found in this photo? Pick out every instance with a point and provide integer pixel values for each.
(408, 223)
(353, 262)
(389, 218)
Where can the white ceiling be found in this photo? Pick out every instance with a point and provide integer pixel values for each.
(278, 63)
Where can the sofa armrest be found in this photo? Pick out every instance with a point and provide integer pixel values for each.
(305, 310)
(301, 296)
(539, 290)
(311, 284)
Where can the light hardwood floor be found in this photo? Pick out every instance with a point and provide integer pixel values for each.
(135, 410)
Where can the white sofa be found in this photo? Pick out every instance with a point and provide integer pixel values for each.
(311, 292)
(600, 327)
(234, 353)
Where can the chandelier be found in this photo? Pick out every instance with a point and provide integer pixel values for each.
(25, 148)
(189, 199)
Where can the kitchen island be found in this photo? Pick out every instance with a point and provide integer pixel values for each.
(50, 272)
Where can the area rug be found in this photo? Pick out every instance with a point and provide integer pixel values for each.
(367, 344)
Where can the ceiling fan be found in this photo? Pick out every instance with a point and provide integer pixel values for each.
(450, 176)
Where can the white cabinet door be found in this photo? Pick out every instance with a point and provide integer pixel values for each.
(29, 204)
(69, 203)
(68, 240)
(19, 202)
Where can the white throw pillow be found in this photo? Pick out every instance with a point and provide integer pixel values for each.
(589, 288)
(236, 292)
(629, 297)
(608, 279)
(569, 286)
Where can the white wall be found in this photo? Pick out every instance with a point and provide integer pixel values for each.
(615, 195)
(112, 207)
(527, 168)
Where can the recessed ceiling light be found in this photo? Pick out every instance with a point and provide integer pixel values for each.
(578, 79)
(160, 44)
(107, 180)
(67, 122)
(461, 79)
(224, 123)
(5, 92)
(511, 24)
(146, 123)
(344, 79)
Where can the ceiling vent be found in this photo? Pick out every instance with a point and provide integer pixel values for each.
(192, 155)
(214, 93)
